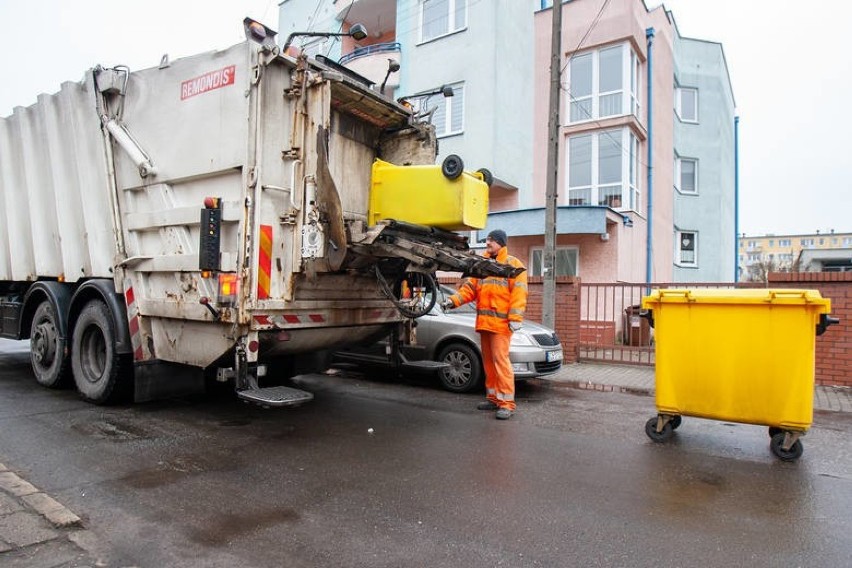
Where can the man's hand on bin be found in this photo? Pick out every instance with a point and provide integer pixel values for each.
(447, 305)
(515, 326)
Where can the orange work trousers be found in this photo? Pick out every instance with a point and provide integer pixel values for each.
(499, 377)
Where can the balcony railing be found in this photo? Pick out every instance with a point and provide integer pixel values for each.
(370, 50)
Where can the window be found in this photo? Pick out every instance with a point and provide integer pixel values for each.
(771, 243)
(686, 175)
(441, 17)
(784, 242)
(807, 242)
(564, 262)
(603, 169)
(847, 241)
(754, 257)
(449, 112)
(686, 253)
(603, 83)
(686, 104)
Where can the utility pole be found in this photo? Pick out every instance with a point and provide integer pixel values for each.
(548, 307)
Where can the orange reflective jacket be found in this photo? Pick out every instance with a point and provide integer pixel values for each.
(498, 300)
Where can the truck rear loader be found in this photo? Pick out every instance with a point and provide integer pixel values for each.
(209, 214)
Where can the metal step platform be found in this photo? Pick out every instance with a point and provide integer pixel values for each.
(276, 396)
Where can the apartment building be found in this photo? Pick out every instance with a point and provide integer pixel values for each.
(646, 175)
(813, 252)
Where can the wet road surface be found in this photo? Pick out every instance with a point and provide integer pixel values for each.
(571, 480)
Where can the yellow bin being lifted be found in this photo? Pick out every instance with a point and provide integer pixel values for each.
(425, 196)
(736, 355)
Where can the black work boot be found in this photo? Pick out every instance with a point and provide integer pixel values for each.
(487, 405)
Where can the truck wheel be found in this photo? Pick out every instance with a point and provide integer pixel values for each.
(464, 373)
(102, 376)
(47, 351)
(452, 166)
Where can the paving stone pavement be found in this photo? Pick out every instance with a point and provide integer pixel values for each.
(36, 530)
(639, 379)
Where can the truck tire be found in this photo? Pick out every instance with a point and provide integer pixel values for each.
(48, 360)
(102, 376)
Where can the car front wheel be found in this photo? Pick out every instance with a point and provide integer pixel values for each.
(464, 370)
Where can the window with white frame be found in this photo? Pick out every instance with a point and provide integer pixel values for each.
(784, 242)
(686, 176)
(448, 117)
(441, 17)
(686, 104)
(686, 249)
(603, 83)
(565, 261)
(603, 169)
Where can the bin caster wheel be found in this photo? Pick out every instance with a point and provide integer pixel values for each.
(794, 453)
(659, 437)
(452, 166)
(775, 430)
(487, 176)
(676, 421)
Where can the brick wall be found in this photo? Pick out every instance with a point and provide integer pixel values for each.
(567, 317)
(834, 347)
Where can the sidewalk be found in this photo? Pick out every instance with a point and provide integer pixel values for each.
(638, 379)
(36, 530)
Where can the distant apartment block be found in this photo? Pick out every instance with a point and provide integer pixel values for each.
(814, 252)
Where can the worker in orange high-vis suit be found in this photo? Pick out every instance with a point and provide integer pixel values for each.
(500, 305)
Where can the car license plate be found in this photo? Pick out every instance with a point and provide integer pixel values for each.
(554, 356)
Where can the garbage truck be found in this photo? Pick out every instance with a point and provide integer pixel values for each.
(215, 216)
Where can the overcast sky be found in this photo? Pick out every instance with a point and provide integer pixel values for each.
(790, 67)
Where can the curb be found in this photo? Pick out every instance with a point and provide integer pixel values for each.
(600, 387)
(56, 514)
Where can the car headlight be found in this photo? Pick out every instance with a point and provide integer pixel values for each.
(521, 338)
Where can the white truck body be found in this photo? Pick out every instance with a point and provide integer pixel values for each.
(106, 181)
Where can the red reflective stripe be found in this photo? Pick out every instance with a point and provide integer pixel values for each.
(262, 320)
(129, 296)
(317, 317)
(264, 262)
(291, 319)
(133, 325)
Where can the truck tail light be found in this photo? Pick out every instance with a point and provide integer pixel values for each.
(228, 289)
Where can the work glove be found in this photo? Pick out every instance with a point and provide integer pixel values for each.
(447, 305)
(515, 326)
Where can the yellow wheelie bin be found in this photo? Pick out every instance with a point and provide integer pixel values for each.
(739, 356)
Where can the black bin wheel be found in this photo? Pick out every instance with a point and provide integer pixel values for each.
(676, 421)
(487, 176)
(659, 437)
(794, 453)
(452, 166)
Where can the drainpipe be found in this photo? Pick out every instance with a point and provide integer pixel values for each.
(649, 36)
(736, 198)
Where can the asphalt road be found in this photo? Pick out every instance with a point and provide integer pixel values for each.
(571, 480)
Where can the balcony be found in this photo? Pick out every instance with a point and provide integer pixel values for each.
(371, 61)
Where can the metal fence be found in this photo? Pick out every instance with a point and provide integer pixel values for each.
(611, 329)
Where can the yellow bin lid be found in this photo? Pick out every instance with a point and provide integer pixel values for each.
(774, 296)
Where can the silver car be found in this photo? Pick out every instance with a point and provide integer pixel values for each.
(448, 341)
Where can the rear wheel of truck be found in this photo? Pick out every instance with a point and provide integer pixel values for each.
(47, 351)
(102, 376)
